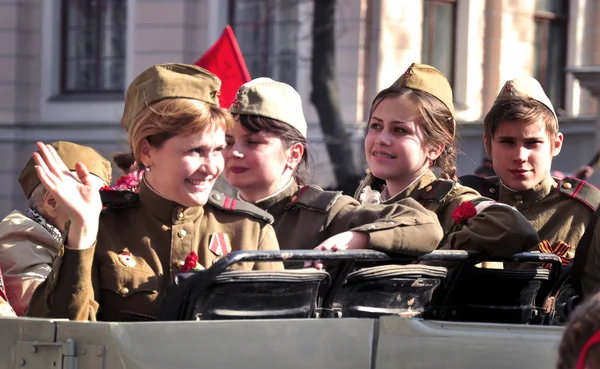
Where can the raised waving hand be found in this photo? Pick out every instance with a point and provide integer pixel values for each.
(77, 195)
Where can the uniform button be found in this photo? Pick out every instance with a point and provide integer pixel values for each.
(428, 188)
(492, 190)
(216, 196)
(124, 291)
(181, 233)
(180, 263)
(371, 227)
(567, 185)
(180, 215)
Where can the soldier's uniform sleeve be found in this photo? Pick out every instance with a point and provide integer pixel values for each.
(591, 270)
(267, 238)
(268, 242)
(497, 229)
(405, 227)
(68, 292)
(71, 289)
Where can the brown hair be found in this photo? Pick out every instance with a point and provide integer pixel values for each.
(168, 118)
(288, 136)
(518, 107)
(436, 121)
(582, 325)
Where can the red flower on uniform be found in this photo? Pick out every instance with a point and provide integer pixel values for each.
(464, 212)
(191, 261)
(128, 182)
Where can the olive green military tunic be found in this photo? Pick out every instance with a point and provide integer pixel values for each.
(590, 275)
(496, 229)
(307, 216)
(559, 210)
(139, 250)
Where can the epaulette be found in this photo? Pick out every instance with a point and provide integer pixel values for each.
(435, 191)
(484, 186)
(580, 190)
(220, 201)
(314, 198)
(118, 199)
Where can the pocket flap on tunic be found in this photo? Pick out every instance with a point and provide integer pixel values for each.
(126, 281)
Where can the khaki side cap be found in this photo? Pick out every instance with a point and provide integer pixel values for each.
(426, 78)
(71, 154)
(268, 98)
(527, 86)
(169, 81)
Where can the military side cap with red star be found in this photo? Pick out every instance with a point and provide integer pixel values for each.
(529, 87)
(169, 81)
(268, 98)
(426, 78)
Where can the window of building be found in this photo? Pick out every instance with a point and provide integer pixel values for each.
(267, 32)
(93, 46)
(550, 48)
(439, 31)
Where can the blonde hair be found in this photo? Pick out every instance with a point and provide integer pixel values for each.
(168, 118)
(437, 123)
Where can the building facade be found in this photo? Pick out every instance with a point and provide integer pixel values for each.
(65, 64)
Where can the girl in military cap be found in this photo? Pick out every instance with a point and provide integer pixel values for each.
(521, 134)
(411, 133)
(267, 161)
(116, 265)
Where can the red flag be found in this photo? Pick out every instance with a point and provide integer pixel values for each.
(225, 59)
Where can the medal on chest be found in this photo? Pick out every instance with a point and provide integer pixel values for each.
(219, 244)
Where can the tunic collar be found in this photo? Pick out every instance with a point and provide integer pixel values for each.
(286, 192)
(165, 210)
(529, 197)
(424, 180)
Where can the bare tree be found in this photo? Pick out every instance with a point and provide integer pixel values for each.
(325, 96)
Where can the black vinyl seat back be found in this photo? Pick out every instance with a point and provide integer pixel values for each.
(495, 295)
(221, 293)
(402, 290)
(260, 294)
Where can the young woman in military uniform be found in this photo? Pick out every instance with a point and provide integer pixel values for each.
(521, 135)
(116, 265)
(411, 131)
(266, 160)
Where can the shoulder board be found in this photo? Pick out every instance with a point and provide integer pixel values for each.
(580, 190)
(436, 190)
(220, 201)
(485, 186)
(315, 198)
(118, 199)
